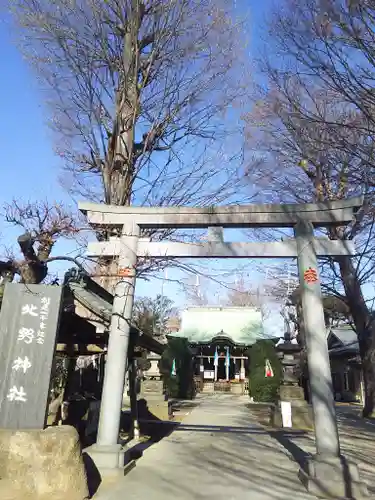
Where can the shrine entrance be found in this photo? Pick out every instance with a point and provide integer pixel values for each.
(126, 244)
(220, 360)
(219, 364)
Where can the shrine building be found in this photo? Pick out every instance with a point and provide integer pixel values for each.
(220, 338)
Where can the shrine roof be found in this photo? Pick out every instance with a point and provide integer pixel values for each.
(201, 325)
(345, 335)
(342, 340)
(99, 301)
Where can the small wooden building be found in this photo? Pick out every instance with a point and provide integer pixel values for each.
(82, 340)
(346, 365)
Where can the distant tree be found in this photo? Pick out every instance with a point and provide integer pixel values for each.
(151, 315)
(336, 310)
(197, 291)
(242, 296)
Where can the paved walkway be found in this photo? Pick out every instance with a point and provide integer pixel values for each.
(218, 453)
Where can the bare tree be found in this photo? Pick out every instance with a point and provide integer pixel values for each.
(138, 90)
(279, 286)
(323, 150)
(151, 315)
(196, 289)
(331, 44)
(241, 295)
(42, 225)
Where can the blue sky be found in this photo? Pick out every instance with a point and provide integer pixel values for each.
(29, 168)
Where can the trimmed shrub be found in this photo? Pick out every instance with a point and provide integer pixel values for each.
(261, 388)
(182, 384)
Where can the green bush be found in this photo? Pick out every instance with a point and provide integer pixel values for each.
(264, 389)
(182, 384)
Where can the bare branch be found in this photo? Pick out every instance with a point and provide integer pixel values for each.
(43, 224)
(133, 87)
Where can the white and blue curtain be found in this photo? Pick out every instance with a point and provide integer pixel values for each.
(227, 363)
(227, 358)
(216, 363)
(174, 372)
(216, 358)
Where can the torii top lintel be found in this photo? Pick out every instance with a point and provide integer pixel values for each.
(333, 213)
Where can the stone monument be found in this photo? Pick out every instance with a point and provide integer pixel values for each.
(29, 323)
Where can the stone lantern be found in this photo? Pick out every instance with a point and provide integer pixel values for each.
(290, 392)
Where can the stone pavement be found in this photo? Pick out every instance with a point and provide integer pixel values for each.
(218, 452)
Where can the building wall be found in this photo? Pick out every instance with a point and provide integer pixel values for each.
(346, 380)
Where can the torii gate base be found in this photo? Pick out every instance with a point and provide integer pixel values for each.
(328, 473)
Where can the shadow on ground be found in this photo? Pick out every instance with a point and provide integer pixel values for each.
(357, 440)
(152, 430)
(149, 425)
(286, 440)
(94, 479)
(219, 451)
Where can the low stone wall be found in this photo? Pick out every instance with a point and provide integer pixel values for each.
(162, 410)
(238, 388)
(41, 465)
(152, 387)
(302, 418)
(263, 412)
(269, 414)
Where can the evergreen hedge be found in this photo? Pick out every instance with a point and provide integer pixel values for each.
(264, 389)
(182, 384)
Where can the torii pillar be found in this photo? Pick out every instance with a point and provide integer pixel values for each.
(327, 473)
(107, 452)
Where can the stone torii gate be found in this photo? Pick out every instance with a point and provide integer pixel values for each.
(327, 472)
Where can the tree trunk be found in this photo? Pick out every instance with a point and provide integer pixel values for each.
(303, 367)
(365, 327)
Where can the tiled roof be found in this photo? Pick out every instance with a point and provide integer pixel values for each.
(345, 334)
(243, 325)
(344, 340)
(99, 301)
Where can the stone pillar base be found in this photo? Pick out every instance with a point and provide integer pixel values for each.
(302, 415)
(291, 393)
(333, 477)
(109, 460)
